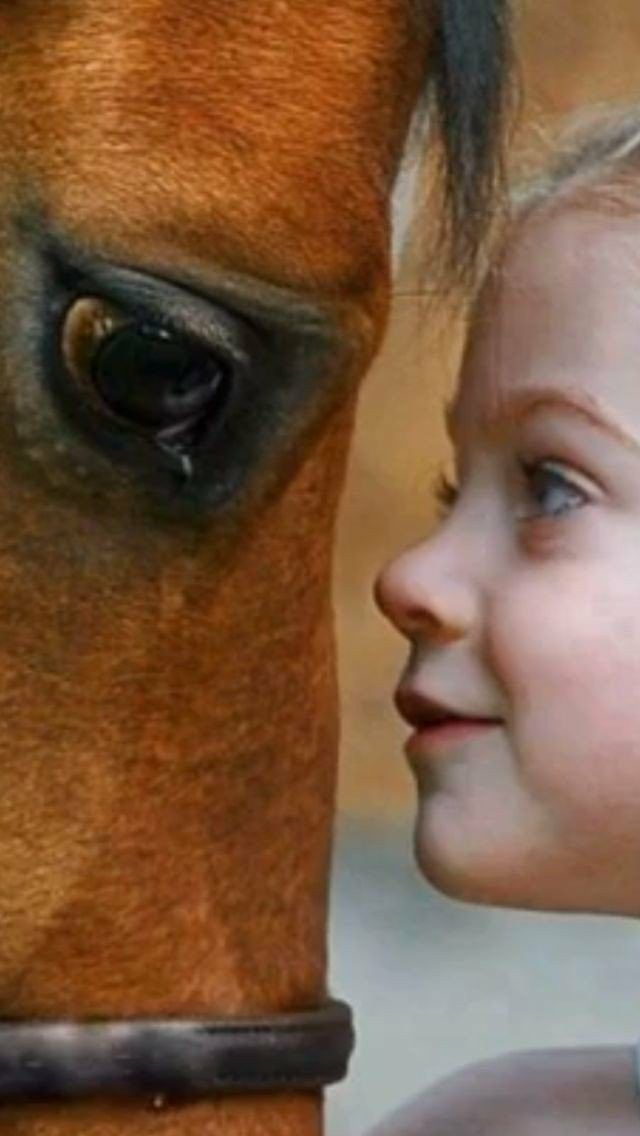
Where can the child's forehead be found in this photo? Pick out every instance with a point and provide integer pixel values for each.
(553, 245)
(562, 303)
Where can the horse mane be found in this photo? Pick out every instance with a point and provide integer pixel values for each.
(467, 99)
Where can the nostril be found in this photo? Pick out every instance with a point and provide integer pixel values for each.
(416, 621)
(418, 618)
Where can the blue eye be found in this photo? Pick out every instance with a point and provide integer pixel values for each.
(554, 492)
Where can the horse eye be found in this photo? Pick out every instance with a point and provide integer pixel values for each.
(161, 382)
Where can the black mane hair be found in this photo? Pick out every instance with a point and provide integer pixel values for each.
(469, 66)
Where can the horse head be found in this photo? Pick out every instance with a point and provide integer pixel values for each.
(194, 271)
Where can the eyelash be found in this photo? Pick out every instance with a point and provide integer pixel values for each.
(446, 493)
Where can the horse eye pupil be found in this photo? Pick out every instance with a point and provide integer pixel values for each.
(154, 378)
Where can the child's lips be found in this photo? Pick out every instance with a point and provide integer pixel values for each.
(448, 731)
(436, 723)
(424, 712)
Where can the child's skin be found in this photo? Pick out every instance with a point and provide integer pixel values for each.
(524, 608)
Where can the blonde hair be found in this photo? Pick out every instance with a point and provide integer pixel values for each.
(598, 153)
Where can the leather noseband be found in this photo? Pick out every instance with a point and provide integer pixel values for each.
(172, 1060)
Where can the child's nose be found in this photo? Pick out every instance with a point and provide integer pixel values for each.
(420, 594)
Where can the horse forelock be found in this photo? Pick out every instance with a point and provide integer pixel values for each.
(466, 97)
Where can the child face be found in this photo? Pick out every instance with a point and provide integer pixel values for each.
(524, 607)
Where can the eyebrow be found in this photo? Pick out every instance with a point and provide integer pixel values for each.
(523, 402)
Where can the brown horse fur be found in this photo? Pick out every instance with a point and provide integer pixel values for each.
(167, 694)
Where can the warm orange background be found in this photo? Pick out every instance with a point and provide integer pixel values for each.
(572, 53)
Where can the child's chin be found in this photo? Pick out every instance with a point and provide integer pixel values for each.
(473, 866)
(472, 850)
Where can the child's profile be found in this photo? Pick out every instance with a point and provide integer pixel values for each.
(522, 612)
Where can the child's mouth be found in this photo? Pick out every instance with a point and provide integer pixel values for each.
(437, 725)
(436, 735)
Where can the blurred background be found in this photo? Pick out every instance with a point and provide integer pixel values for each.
(436, 984)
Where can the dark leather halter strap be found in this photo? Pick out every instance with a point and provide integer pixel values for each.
(168, 1060)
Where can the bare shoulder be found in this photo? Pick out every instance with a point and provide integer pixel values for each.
(549, 1092)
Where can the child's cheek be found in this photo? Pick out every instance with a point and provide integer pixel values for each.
(566, 652)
